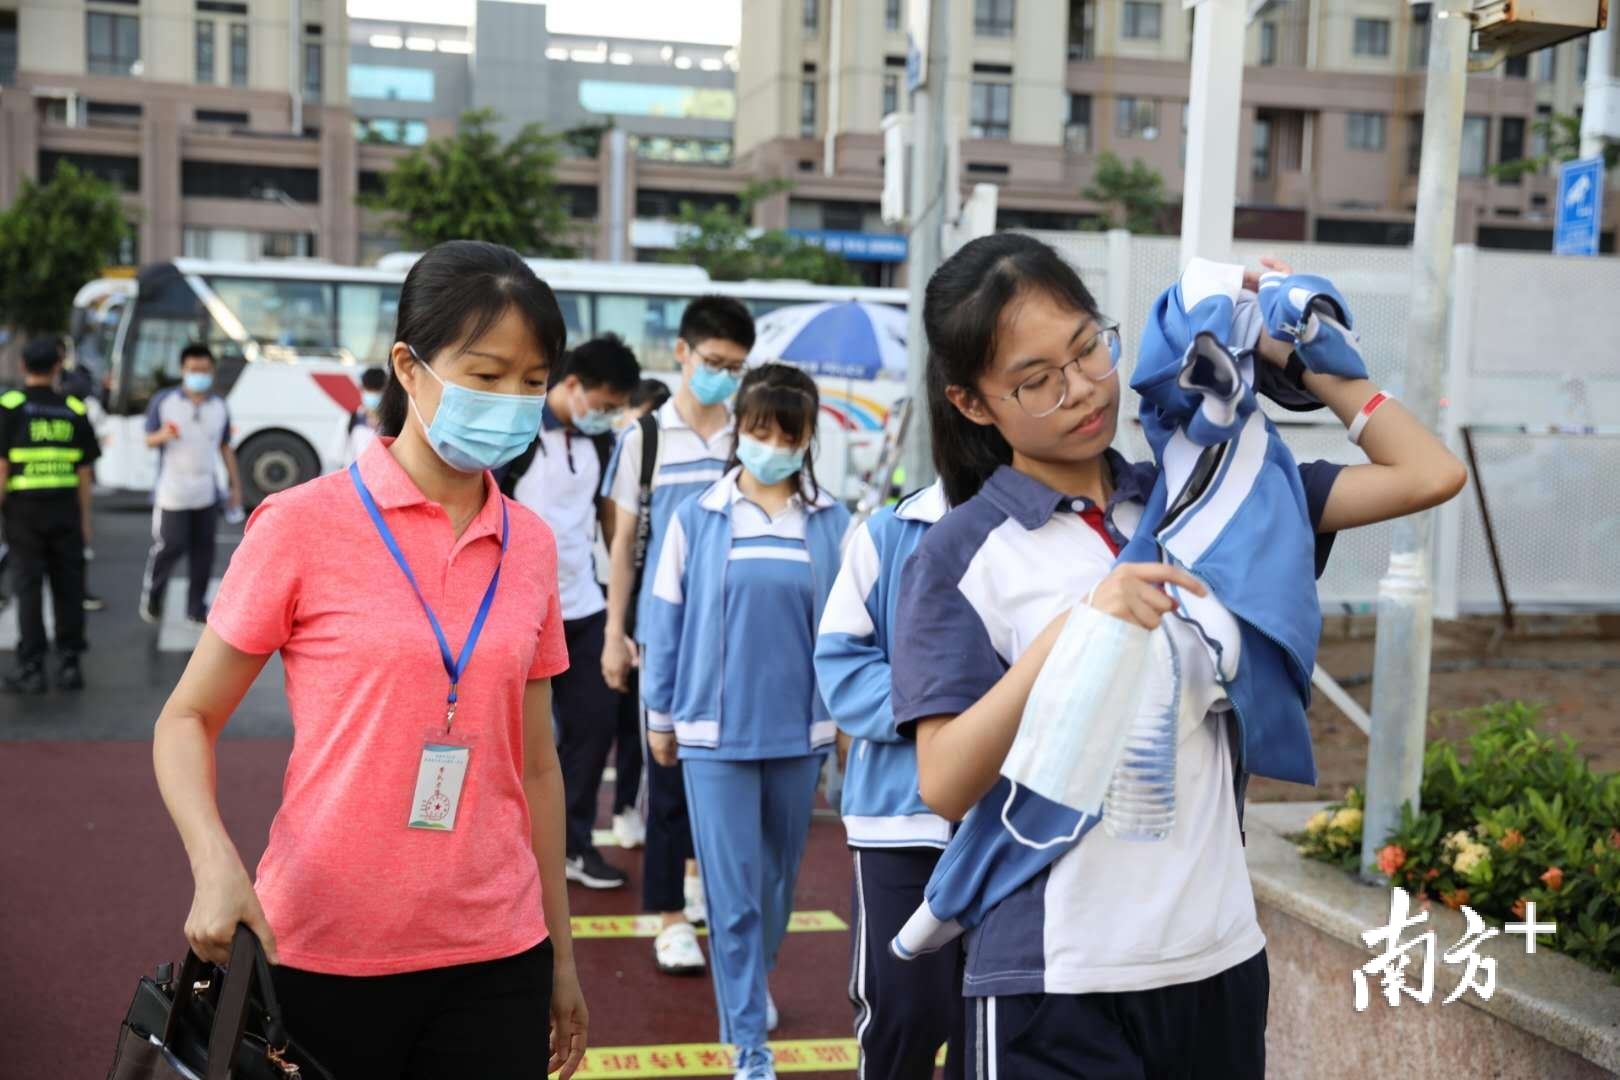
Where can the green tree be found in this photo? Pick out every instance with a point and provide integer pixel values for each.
(54, 238)
(474, 185)
(1134, 192)
(1562, 135)
(723, 242)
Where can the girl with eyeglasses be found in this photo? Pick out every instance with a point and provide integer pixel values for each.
(1120, 957)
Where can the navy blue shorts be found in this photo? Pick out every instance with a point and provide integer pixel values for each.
(1214, 1029)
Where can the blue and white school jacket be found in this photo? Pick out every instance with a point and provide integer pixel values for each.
(881, 805)
(728, 655)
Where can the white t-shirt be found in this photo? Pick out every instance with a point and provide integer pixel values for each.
(189, 466)
(561, 486)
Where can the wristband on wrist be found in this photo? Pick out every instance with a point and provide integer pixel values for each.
(1360, 422)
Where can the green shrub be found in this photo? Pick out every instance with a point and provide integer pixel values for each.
(1523, 819)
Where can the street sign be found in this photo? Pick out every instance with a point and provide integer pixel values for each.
(1580, 207)
(916, 44)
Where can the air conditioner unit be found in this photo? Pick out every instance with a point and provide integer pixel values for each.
(1513, 27)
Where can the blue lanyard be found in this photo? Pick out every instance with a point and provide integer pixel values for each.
(452, 667)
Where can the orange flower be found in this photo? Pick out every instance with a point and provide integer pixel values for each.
(1553, 878)
(1512, 840)
(1614, 838)
(1391, 857)
(1455, 899)
(1518, 908)
(1431, 873)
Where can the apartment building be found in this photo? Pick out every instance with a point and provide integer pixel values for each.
(1332, 111)
(225, 123)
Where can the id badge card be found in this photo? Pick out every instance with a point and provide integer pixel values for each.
(439, 779)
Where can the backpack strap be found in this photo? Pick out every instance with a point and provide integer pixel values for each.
(649, 467)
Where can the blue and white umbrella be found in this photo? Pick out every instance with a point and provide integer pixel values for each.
(845, 340)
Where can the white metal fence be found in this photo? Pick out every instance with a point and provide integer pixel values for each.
(1535, 340)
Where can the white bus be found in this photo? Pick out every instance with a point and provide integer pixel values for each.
(292, 338)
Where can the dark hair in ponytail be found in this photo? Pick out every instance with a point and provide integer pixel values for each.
(783, 393)
(454, 293)
(962, 310)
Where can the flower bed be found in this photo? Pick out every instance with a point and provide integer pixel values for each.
(1518, 817)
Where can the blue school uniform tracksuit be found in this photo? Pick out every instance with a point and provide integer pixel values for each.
(1248, 535)
(903, 1012)
(727, 666)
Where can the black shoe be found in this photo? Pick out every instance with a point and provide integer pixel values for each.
(69, 676)
(92, 602)
(593, 871)
(151, 613)
(26, 678)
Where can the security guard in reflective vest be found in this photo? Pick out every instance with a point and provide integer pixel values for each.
(46, 450)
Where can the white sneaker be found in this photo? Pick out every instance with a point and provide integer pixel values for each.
(696, 912)
(628, 829)
(676, 950)
(772, 1018)
(759, 1064)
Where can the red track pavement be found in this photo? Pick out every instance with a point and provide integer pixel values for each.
(94, 889)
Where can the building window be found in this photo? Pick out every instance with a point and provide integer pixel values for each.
(990, 112)
(891, 94)
(1417, 51)
(239, 54)
(891, 14)
(112, 44)
(1136, 118)
(397, 132)
(8, 47)
(807, 108)
(1583, 51)
(1414, 143)
(1077, 132)
(1268, 44)
(1365, 131)
(1517, 67)
(312, 70)
(811, 14)
(1547, 65)
(1142, 19)
(1476, 145)
(1260, 157)
(1511, 146)
(390, 83)
(205, 51)
(1372, 37)
(993, 18)
(231, 180)
(124, 173)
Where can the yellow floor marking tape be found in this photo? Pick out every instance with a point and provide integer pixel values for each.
(646, 926)
(714, 1059)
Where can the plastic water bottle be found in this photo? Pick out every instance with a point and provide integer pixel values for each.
(1140, 803)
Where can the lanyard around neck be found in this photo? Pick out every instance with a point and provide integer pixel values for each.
(453, 667)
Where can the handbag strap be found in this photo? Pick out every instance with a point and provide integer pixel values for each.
(193, 970)
(248, 964)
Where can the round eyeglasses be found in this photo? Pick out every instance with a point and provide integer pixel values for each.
(1044, 392)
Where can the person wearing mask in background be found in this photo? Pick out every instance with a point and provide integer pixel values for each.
(665, 459)
(46, 453)
(360, 429)
(412, 896)
(648, 397)
(190, 427)
(729, 675)
(559, 477)
(904, 1011)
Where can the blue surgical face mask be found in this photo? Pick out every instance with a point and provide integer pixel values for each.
(198, 382)
(588, 421)
(711, 386)
(474, 430)
(371, 399)
(767, 463)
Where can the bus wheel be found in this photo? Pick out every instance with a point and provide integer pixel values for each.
(275, 461)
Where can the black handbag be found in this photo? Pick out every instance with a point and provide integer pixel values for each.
(211, 1023)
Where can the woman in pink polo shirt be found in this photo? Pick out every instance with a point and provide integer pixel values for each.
(412, 891)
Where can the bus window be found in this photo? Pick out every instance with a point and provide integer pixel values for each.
(294, 313)
(367, 314)
(154, 358)
(576, 313)
(648, 324)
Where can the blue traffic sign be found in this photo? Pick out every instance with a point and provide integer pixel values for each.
(1580, 207)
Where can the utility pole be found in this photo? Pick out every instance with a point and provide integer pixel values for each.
(1214, 108)
(1400, 703)
(933, 191)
